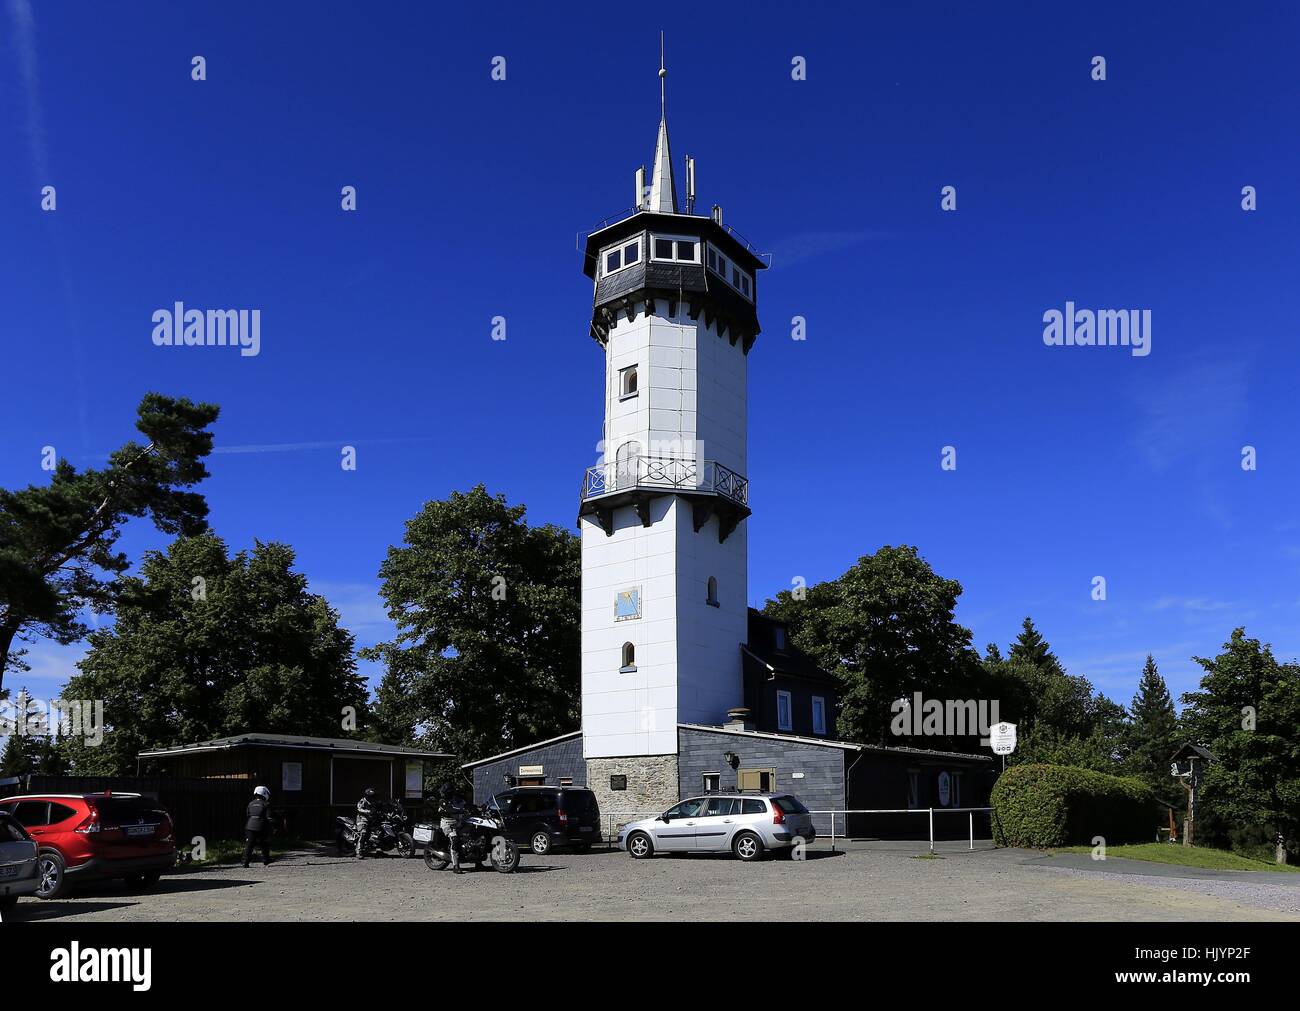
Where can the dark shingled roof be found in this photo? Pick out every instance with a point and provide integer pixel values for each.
(342, 745)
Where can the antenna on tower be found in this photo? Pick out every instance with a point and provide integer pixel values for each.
(640, 189)
(690, 185)
(663, 104)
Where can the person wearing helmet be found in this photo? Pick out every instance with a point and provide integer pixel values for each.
(367, 811)
(451, 809)
(257, 829)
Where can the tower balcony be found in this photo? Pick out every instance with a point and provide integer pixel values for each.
(713, 489)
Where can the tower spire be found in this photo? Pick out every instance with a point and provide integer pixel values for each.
(663, 191)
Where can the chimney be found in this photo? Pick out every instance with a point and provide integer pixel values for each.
(739, 718)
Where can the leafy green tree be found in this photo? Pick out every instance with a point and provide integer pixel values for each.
(57, 541)
(1247, 713)
(208, 645)
(1059, 718)
(1153, 732)
(885, 629)
(487, 655)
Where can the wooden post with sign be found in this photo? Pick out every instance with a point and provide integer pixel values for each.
(1186, 766)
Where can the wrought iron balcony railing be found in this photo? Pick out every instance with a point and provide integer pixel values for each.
(660, 472)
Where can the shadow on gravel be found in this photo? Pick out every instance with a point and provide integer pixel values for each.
(34, 910)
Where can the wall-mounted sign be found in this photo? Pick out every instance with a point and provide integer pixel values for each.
(796, 775)
(618, 782)
(290, 776)
(532, 770)
(414, 779)
(1002, 738)
(945, 789)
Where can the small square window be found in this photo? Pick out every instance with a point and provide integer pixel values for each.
(712, 782)
(631, 253)
(664, 249)
(685, 250)
(618, 782)
(613, 260)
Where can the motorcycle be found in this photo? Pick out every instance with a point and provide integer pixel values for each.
(388, 833)
(482, 837)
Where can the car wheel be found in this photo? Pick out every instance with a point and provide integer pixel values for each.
(640, 846)
(747, 846)
(50, 871)
(541, 843)
(434, 863)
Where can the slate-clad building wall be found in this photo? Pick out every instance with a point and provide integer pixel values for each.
(701, 751)
(561, 759)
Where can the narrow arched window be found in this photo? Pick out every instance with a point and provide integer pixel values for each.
(627, 464)
(713, 591)
(629, 656)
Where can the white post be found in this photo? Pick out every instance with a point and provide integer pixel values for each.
(972, 831)
(832, 831)
(931, 830)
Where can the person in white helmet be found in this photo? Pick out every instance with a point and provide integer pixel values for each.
(257, 830)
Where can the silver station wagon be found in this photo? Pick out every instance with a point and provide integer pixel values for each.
(747, 824)
(17, 863)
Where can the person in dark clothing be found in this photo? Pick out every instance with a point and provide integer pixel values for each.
(257, 830)
(367, 814)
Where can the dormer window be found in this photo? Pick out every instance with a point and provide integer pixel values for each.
(674, 249)
(778, 638)
(625, 254)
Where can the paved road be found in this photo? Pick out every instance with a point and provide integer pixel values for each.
(868, 881)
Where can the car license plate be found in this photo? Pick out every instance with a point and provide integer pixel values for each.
(9, 872)
(139, 830)
(423, 833)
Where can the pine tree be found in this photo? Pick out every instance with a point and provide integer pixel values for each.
(1153, 733)
(1031, 647)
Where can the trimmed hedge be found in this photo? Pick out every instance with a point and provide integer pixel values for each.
(1040, 806)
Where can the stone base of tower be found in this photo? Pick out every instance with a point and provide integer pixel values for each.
(652, 786)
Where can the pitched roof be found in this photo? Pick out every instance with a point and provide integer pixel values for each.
(520, 751)
(293, 741)
(791, 660)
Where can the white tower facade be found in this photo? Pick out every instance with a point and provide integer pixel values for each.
(664, 570)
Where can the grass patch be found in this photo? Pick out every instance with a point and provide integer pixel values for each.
(927, 856)
(231, 851)
(1183, 856)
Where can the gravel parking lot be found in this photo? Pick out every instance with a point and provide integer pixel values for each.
(865, 881)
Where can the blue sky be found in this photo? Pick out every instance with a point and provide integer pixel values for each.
(924, 327)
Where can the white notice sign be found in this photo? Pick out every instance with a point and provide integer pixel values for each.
(1002, 738)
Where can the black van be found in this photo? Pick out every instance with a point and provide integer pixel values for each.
(543, 817)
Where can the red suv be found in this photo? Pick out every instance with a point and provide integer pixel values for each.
(91, 836)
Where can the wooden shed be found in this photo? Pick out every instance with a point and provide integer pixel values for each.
(311, 779)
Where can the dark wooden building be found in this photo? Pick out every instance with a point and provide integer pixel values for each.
(311, 779)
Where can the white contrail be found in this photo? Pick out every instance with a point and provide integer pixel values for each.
(20, 12)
